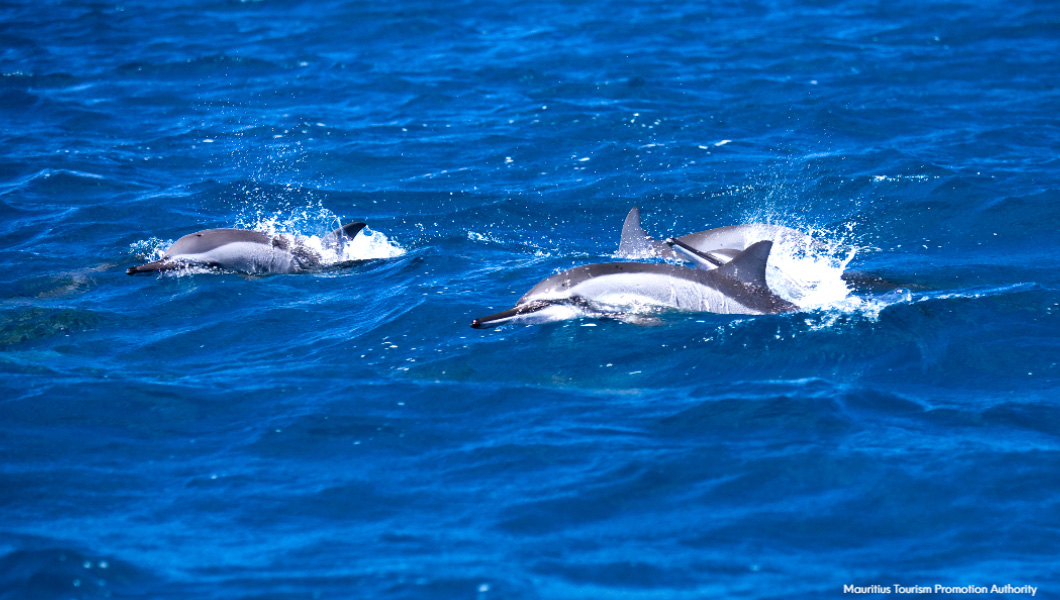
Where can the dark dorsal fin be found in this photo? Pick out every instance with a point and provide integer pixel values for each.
(749, 266)
(337, 239)
(351, 230)
(636, 243)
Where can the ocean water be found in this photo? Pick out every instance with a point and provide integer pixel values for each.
(346, 434)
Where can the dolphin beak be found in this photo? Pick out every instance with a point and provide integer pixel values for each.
(151, 267)
(495, 319)
(503, 316)
(156, 267)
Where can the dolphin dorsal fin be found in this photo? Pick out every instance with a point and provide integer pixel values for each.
(337, 239)
(749, 266)
(350, 230)
(636, 243)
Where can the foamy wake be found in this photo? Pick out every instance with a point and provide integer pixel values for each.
(366, 245)
(809, 274)
(149, 250)
(310, 224)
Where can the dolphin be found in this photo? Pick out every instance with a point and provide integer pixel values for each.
(707, 249)
(617, 289)
(246, 251)
(712, 248)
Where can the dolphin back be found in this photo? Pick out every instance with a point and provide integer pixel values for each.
(211, 239)
(200, 242)
(234, 249)
(737, 238)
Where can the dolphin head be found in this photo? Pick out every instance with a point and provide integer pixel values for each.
(535, 312)
(189, 249)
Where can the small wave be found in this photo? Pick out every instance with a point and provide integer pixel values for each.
(900, 178)
(58, 181)
(149, 250)
(190, 67)
(48, 173)
(474, 236)
(54, 177)
(870, 306)
(979, 292)
(525, 246)
(28, 572)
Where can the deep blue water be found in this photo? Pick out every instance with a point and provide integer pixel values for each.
(347, 435)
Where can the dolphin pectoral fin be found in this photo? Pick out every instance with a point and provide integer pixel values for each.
(636, 243)
(703, 260)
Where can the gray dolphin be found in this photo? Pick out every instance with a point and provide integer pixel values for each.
(614, 289)
(245, 251)
(714, 247)
(711, 248)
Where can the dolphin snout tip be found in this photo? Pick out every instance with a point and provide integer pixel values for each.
(486, 322)
(153, 267)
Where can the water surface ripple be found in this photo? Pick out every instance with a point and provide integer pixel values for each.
(345, 434)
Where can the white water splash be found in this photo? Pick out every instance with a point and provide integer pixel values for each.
(809, 273)
(311, 224)
(474, 236)
(366, 245)
(149, 250)
(812, 279)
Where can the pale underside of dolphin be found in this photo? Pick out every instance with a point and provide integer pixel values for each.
(620, 289)
(246, 251)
